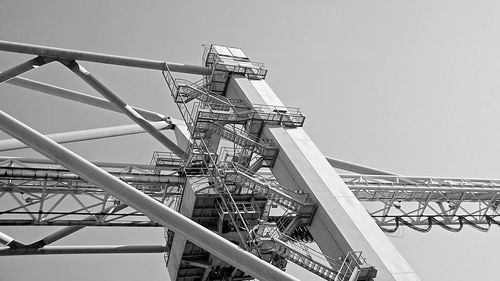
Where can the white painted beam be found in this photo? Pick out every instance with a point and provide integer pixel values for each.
(341, 224)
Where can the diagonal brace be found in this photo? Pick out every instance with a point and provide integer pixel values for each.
(66, 54)
(22, 68)
(79, 97)
(124, 107)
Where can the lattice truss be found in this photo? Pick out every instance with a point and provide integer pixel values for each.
(420, 202)
(33, 194)
(43, 192)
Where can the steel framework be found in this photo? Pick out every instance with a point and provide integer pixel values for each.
(242, 191)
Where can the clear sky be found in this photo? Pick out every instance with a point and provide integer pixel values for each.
(405, 86)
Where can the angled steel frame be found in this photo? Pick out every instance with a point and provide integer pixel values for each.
(197, 234)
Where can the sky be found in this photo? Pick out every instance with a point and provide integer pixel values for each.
(405, 86)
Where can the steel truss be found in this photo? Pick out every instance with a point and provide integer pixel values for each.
(231, 196)
(116, 187)
(31, 194)
(423, 201)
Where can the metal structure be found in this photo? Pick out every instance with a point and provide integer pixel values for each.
(241, 192)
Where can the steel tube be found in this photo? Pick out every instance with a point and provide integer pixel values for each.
(125, 108)
(156, 211)
(381, 187)
(9, 241)
(83, 135)
(66, 250)
(79, 97)
(67, 54)
(5, 239)
(21, 68)
(25, 222)
(27, 160)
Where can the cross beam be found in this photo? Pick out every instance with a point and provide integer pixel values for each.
(61, 53)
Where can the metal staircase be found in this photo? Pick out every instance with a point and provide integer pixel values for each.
(350, 267)
(241, 138)
(295, 201)
(245, 198)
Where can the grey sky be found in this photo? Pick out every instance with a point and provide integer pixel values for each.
(405, 86)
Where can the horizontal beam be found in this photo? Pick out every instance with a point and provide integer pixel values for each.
(84, 135)
(36, 161)
(13, 173)
(80, 97)
(66, 54)
(66, 250)
(21, 68)
(374, 188)
(30, 222)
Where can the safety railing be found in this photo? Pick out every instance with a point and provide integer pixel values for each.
(234, 64)
(298, 202)
(350, 267)
(199, 149)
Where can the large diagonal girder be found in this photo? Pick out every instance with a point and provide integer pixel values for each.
(340, 224)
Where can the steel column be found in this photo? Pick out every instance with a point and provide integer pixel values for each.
(83, 135)
(125, 108)
(156, 211)
(59, 53)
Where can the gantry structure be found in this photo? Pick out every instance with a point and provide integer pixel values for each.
(240, 192)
